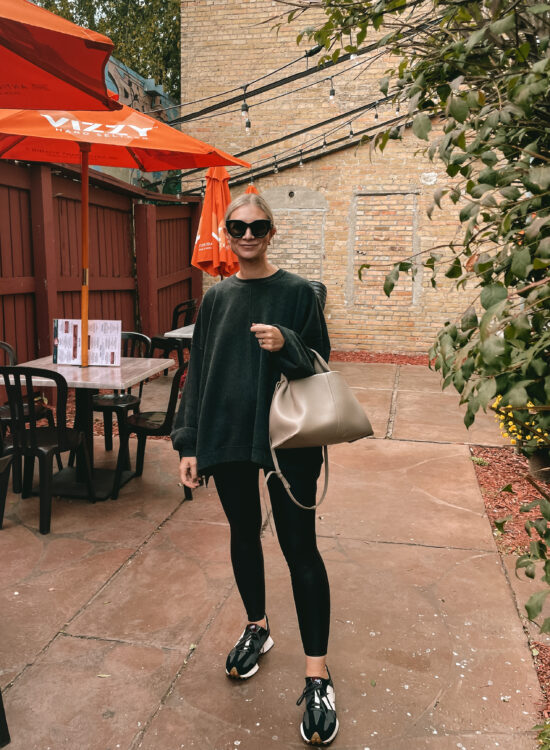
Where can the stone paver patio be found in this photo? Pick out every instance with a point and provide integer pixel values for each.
(115, 626)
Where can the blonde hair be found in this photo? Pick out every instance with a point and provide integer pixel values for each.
(253, 199)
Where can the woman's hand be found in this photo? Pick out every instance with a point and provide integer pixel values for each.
(188, 472)
(270, 338)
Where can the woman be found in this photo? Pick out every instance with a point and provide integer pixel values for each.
(250, 328)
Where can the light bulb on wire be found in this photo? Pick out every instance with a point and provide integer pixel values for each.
(376, 111)
(332, 92)
(324, 143)
(244, 108)
(247, 127)
(301, 162)
(275, 166)
(351, 133)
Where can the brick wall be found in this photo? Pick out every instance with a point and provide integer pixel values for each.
(338, 212)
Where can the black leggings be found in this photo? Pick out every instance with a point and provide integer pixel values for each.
(238, 488)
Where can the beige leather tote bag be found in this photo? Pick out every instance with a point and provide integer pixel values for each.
(319, 410)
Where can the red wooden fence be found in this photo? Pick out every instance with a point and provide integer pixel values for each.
(40, 255)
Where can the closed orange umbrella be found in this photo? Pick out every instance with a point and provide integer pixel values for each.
(212, 252)
(50, 62)
(124, 138)
(252, 189)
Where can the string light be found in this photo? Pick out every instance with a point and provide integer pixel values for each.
(301, 162)
(244, 108)
(351, 133)
(397, 109)
(332, 92)
(275, 166)
(376, 111)
(247, 127)
(324, 143)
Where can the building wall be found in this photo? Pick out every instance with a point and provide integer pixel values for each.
(342, 210)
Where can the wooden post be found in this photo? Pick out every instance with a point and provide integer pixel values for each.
(145, 217)
(45, 257)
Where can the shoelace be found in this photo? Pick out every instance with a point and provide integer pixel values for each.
(245, 644)
(310, 690)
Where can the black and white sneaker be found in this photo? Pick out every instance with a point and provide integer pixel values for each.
(319, 725)
(242, 661)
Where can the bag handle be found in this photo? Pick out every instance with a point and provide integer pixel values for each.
(278, 473)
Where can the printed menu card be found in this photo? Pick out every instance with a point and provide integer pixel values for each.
(104, 337)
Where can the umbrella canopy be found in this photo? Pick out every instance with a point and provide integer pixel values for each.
(124, 138)
(252, 189)
(49, 61)
(212, 252)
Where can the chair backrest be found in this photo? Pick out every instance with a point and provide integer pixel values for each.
(166, 427)
(10, 358)
(321, 291)
(135, 344)
(18, 381)
(185, 310)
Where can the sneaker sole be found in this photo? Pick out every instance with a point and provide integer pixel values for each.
(265, 648)
(316, 740)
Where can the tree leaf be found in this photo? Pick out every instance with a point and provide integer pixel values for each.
(422, 125)
(457, 108)
(493, 294)
(535, 603)
(504, 24)
(540, 176)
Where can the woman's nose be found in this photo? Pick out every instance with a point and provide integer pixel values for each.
(248, 234)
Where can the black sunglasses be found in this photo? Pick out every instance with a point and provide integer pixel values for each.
(237, 229)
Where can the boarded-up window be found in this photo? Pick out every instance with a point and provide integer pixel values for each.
(384, 235)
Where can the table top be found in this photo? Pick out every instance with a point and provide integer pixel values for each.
(186, 332)
(132, 370)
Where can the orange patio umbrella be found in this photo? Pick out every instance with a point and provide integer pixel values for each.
(252, 189)
(125, 138)
(50, 62)
(212, 252)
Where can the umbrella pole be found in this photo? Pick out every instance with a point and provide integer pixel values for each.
(84, 213)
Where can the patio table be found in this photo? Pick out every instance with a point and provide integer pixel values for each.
(86, 381)
(185, 332)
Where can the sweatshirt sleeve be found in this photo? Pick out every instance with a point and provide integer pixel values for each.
(184, 432)
(295, 358)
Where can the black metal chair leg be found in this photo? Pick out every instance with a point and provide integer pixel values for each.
(28, 476)
(17, 480)
(4, 481)
(46, 474)
(51, 423)
(108, 429)
(5, 738)
(123, 458)
(140, 457)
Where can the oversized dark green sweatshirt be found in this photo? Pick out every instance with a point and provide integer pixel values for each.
(224, 410)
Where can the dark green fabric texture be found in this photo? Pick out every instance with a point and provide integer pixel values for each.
(224, 410)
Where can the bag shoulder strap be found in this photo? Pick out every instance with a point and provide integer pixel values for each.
(278, 473)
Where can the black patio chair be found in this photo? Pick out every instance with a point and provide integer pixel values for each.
(121, 403)
(42, 412)
(28, 441)
(5, 738)
(182, 315)
(148, 424)
(320, 291)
